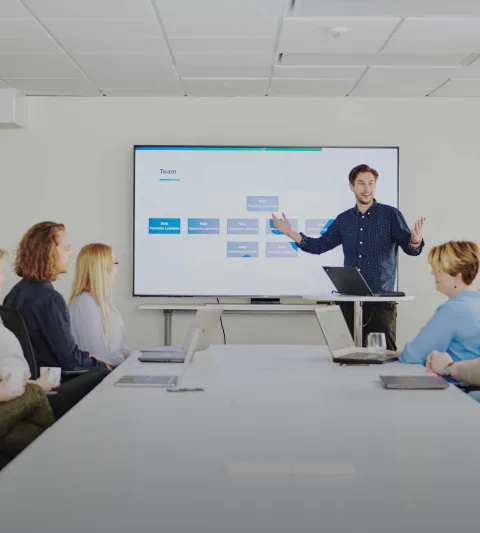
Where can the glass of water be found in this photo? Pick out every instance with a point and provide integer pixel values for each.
(377, 342)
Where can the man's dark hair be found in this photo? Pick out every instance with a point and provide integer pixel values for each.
(359, 169)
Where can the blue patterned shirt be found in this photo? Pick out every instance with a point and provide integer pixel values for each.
(370, 242)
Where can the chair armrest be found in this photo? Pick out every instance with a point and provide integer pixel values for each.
(75, 372)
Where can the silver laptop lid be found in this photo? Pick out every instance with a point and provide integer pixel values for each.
(206, 319)
(335, 329)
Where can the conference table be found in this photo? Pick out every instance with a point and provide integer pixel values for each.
(282, 440)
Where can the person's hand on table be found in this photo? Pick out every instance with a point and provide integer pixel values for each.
(437, 362)
(108, 364)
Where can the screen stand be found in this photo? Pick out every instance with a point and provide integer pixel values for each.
(264, 300)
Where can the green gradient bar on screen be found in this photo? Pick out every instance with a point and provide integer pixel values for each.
(235, 148)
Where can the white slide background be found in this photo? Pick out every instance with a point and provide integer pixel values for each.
(214, 183)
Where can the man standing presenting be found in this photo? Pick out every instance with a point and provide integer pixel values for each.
(370, 234)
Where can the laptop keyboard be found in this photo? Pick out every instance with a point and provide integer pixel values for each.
(362, 356)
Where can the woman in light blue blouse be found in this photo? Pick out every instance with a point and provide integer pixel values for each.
(455, 326)
(97, 326)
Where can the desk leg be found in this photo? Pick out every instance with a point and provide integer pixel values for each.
(167, 327)
(358, 323)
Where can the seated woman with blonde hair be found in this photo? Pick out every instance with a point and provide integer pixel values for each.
(96, 324)
(455, 326)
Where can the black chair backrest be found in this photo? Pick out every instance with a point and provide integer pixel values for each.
(13, 321)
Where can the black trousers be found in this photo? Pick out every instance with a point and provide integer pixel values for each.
(378, 317)
(74, 389)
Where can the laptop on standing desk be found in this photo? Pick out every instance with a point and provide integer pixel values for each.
(349, 282)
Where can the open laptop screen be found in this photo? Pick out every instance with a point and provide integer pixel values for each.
(335, 328)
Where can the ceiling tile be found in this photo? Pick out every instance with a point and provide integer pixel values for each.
(220, 28)
(29, 46)
(222, 71)
(127, 46)
(38, 66)
(436, 35)
(142, 93)
(230, 60)
(128, 66)
(103, 30)
(90, 8)
(408, 77)
(223, 46)
(225, 86)
(318, 72)
(382, 8)
(387, 92)
(460, 88)
(360, 35)
(21, 29)
(159, 84)
(12, 9)
(310, 87)
(234, 9)
(4, 85)
(56, 87)
(372, 59)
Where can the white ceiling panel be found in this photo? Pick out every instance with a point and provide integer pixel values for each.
(232, 60)
(362, 91)
(142, 93)
(372, 59)
(21, 28)
(382, 8)
(220, 28)
(155, 84)
(196, 71)
(361, 35)
(151, 45)
(436, 35)
(222, 46)
(408, 77)
(225, 86)
(318, 72)
(460, 88)
(90, 8)
(4, 85)
(38, 66)
(56, 87)
(235, 9)
(12, 9)
(29, 46)
(311, 87)
(102, 30)
(128, 66)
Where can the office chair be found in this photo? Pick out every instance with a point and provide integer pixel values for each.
(13, 320)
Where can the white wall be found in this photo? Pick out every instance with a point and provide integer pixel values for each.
(74, 164)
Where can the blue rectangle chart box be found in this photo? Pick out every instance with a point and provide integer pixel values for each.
(282, 249)
(203, 226)
(242, 226)
(164, 226)
(272, 231)
(242, 249)
(262, 203)
(317, 226)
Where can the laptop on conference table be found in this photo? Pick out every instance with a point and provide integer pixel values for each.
(414, 382)
(340, 342)
(206, 320)
(349, 282)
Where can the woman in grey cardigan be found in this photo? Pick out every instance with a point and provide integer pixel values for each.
(96, 324)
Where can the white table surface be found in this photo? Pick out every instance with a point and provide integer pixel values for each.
(281, 441)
